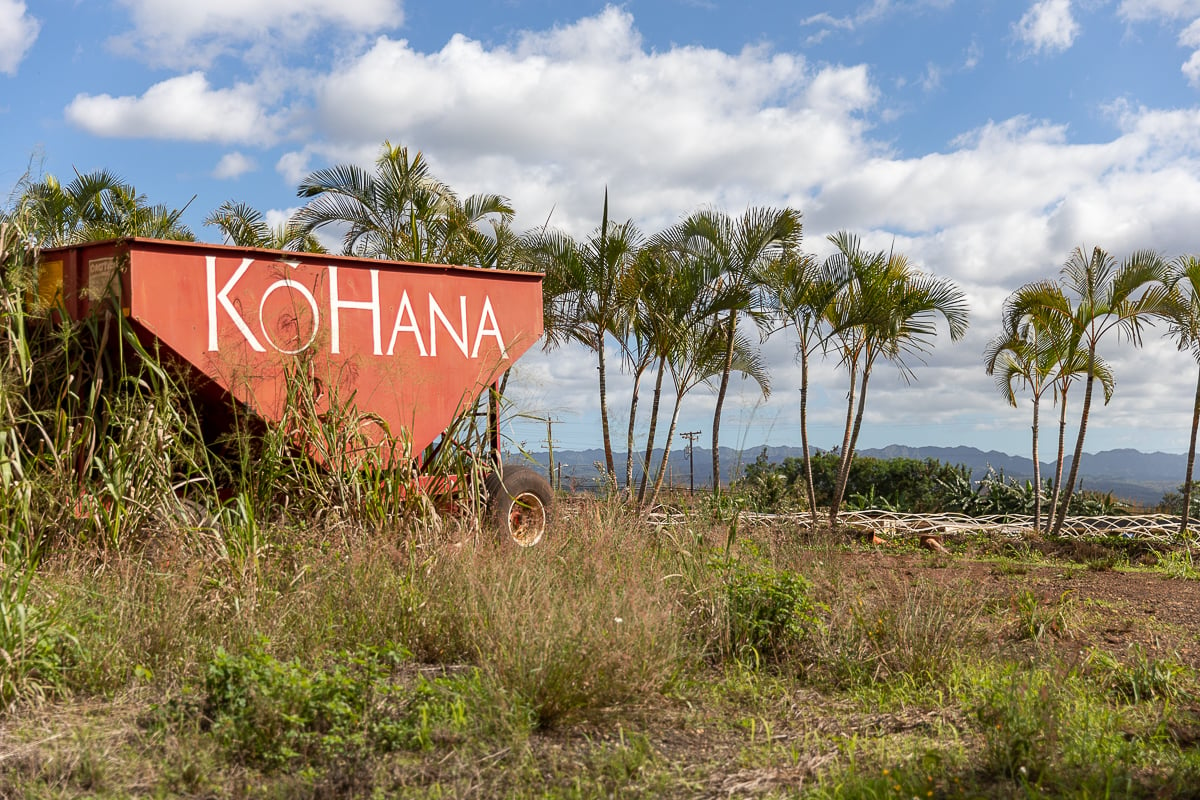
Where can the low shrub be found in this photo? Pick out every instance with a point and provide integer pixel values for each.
(271, 713)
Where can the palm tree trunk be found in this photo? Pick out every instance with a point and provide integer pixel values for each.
(1058, 464)
(716, 426)
(808, 476)
(1083, 421)
(1037, 469)
(1191, 463)
(662, 367)
(611, 474)
(843, 462)
(858, 418)
(662, 466)
(633, 404)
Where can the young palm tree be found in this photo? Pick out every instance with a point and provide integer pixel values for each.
(245, 226)
(1049, 346)
(128, 213)
(54, 215)
(887, 308)
(1184, 280)
(401, 211)
(676, 303)
(1029, 355)
(586, 278)
(698, 356)
(738, 250)
(649, 326)
(1109, 296)
(799, 291)
(95, 205)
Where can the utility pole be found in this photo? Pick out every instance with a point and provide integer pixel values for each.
(691, 437)
(550, 449)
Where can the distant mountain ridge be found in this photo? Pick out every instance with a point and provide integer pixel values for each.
(1129, 474)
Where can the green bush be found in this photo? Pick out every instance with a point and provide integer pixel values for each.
(905, 485)
(770, 611)
(902, 484)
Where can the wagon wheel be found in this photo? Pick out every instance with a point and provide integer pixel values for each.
(519, 505)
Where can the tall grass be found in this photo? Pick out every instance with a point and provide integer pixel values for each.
(372, 662)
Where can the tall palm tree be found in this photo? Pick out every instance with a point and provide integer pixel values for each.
(799, 292)
(1109, 296)
(401, 211)
(245, 226)
(1184, 280)
(886, 308)
(739, 248)
(586, 278)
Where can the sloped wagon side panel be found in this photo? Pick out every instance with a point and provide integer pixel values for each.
(413, 344)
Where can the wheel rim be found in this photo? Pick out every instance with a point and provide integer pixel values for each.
(527, 519)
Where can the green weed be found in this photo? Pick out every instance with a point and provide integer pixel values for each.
(1178, 564)
(1140, 677)
(37, 649)
(1036, 617)
(273, 713)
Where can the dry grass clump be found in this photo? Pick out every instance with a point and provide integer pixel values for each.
(884, 630)
(583, 622)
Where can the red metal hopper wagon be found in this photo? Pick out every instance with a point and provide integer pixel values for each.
(413, 345)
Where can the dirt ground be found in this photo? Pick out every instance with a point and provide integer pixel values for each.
(1106, 607)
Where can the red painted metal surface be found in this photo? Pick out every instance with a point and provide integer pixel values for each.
(413, 344)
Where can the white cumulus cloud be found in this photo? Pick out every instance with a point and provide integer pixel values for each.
(1143, 10)
(193, 34)
(1191, 38)
(183, 108)
(555, 116)
(233, 165)
(1048, 26)
(18, 31)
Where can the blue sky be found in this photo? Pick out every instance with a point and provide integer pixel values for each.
(984, 139)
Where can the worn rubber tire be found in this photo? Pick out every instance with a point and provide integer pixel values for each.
(519, 505)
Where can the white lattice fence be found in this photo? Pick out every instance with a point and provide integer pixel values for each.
(1156, 528)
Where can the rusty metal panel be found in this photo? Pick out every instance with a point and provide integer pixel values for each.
(410, 344)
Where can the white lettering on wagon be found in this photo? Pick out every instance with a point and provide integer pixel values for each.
(336, 304)
(222, 297)
(405, 318)
(301, 290)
